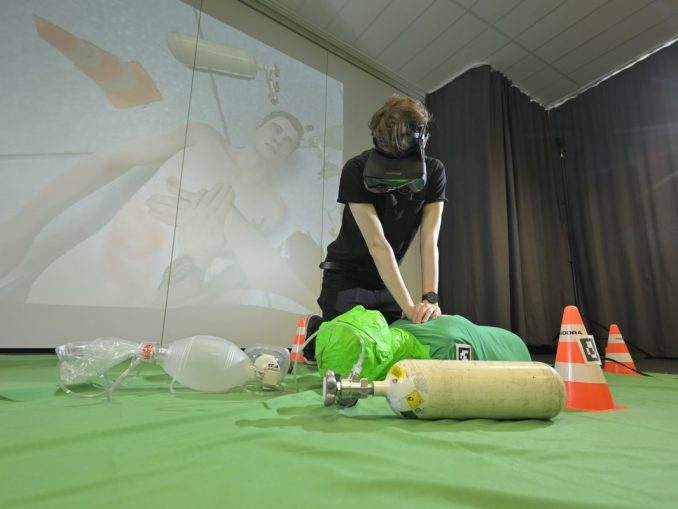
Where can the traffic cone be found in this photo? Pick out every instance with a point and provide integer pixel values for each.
(125, 84)
(578, 363)
(617, 351)
(297, 354)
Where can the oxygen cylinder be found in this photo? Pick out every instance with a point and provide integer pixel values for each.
(448, 389)
(211, 56)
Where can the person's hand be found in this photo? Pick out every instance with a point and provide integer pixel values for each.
(422, 312)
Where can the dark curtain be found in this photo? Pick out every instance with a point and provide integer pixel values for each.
(504, 257)
(621, 172)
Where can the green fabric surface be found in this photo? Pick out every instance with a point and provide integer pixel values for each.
(338, 344)
(488, 343)
(149, 448)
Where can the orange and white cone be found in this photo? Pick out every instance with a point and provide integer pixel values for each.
(578, 363)
(617, 351)
(125, 84)
(297, 354)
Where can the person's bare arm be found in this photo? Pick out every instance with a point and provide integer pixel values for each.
(430, 230)
(382, 253)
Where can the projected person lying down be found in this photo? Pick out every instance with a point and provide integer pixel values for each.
(225, 195)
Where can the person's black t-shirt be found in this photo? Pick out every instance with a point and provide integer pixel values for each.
(399, 212)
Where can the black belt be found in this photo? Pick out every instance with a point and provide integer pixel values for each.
(363, 271)
(332, 266)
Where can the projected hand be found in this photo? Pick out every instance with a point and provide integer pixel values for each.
(200, 220)
(201, 225)
(163, 207)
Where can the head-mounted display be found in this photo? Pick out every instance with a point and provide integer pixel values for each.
(384, 173)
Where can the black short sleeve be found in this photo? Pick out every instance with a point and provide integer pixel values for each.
(351, 186)
(436, 181)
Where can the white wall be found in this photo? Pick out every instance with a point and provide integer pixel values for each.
(106, 121)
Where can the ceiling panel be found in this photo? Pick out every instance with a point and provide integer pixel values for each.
(322, 13)
(432, 22)
(623, 54)
(555, 91)
(641, 20)
(558, 20)
(524, 68)
(292, 5)
(507, 56)
(465, 3)
(464, 30)
(474, 53)
(542, 79)
(390, 23)
(550, 49)
(354, 19)
(524, 15)
(491, 10)
(587, 28)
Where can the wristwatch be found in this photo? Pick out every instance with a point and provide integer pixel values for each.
(432, 297)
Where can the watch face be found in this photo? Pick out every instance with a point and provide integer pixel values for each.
(432, 297)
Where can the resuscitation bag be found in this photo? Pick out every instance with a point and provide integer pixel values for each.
(202, 363)
(341, 342)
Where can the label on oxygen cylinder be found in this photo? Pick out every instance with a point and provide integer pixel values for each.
(414, 399)
(397, 373)
(407, 393)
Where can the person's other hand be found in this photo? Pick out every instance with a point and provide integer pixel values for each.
(422, 312)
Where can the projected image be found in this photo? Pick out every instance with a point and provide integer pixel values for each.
(178, 163)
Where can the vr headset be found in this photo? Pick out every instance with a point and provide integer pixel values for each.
(384, 173)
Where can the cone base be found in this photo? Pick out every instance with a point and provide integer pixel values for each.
(613, 367)
(590, 397)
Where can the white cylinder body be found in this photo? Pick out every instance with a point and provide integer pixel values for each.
(442, 389)
(212, 56)
(206, 363)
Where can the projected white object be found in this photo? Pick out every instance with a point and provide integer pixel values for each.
(209, 56)
(99, 201)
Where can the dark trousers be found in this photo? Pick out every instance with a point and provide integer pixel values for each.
(342, 291)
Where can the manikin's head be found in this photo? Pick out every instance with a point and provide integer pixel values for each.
(278, 136)
(392, 125)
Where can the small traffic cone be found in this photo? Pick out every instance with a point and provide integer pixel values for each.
(617, 351)
(297, 353)
(578, 363)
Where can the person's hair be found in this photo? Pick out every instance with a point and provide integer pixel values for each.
(392, 125)
(290, 118)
